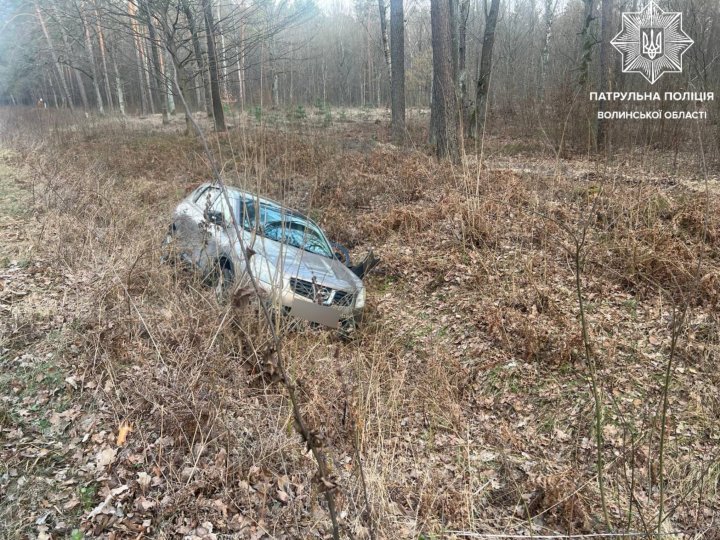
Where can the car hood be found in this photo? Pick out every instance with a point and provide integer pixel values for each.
(301, 264)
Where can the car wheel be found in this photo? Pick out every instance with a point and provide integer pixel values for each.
(341, 253)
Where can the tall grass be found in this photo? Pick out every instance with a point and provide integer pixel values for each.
(462, 403)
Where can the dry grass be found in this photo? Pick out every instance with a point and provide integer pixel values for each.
(465, 392)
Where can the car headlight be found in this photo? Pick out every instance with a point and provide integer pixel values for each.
(360, 300)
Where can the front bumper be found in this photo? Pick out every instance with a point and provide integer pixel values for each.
(299, 306)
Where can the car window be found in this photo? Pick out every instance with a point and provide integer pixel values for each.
(285, 226)
(220, 205)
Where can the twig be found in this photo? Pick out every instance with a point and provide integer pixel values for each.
(678, 323)
(356, 445)
(592, 366)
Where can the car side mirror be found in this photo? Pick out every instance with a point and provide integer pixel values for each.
(215, 217)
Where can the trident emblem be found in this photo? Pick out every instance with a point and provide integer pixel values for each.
(642, 40)
(652, 43)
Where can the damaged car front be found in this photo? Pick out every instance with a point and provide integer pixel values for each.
(291, 258)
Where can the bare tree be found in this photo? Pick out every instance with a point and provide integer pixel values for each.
(604, 65)
(118, 83)
(548, 19)
(240, 29)
(53, 53)
(218, 114)
(444, 113)
(137, 42)
(93, 65)
(462, 53)
(204, 92)
(397, 42)
(103, 57)
(158, 82)
(588, 42)
(483, 83)
(382, 8)
(70, 64)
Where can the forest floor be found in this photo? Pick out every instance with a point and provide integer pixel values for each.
(132, 402)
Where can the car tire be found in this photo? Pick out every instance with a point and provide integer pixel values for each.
(341, 253)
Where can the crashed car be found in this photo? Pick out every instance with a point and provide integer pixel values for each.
(292, 260)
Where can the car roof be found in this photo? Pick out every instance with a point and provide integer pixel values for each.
(254, 197)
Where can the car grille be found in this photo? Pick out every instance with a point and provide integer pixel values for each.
(343, 298)
(305, 288)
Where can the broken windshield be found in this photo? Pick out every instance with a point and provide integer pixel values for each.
(285, 226)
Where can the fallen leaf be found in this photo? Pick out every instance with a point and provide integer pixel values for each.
(106, 457)
(144, 480)
(118, 490)
(125, 429)
(143, 504)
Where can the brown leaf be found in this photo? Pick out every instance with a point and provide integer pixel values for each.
(123, 431)
(106, 457)
(144, 480)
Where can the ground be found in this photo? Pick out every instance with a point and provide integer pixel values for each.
(134, 403)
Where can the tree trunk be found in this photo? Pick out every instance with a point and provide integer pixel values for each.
(483, 85)
(149, 77)
(241, 65)
(138, 58)
(93, 65)
(291, 97)
(180, 81)
(52, 87)
(118, 86)
(274, 77)
(276, 90)
(455, 39)
(545, 56)
(222, 54)
(397, 42)
(384, 34)
(103, 60)
(181, 89)
(75, 72)
(462, 56)
(160, 87)
(206, 102)
(588, 42)
(218, 113)
(604, 64)
(169, 70)
(444, 104)
(54, 56)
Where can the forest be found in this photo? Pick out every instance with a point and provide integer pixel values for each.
(428, 269)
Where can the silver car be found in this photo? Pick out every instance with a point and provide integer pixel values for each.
(291, 258)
